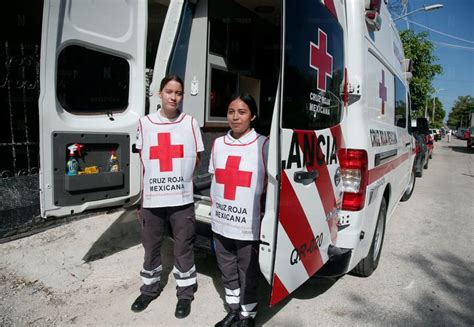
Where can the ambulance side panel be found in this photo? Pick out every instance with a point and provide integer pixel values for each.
(375, 73)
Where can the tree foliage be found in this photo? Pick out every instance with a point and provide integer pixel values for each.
(462, 108)
(420, 50)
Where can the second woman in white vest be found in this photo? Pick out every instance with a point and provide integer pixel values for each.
(238, 162)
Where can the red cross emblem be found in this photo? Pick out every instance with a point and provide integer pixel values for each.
(383, 92)
(165, 152)
(232, 177)
(320, 59)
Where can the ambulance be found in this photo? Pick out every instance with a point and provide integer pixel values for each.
(330, 79)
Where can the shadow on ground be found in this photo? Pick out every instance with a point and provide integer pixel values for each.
(461, 149)
(121, 235)
(311, 289)
(125, 233)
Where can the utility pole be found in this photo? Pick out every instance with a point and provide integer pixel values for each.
(434, 103)
(426, 107)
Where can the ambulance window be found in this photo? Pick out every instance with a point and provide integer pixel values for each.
(92, 82)
(314, 67)
(400, 104)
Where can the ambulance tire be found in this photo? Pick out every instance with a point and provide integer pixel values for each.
(410, 187)
(367, 266)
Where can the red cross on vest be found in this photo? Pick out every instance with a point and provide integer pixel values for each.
(165, 152)
(320, 59)
(383, 92)
(232, 177)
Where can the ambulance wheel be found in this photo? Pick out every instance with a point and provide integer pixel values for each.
(367, 266)
(410, 187)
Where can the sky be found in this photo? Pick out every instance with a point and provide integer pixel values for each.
(456, 56)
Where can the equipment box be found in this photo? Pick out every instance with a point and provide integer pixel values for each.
(93, 157)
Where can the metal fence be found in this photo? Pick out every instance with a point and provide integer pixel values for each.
(19, 124)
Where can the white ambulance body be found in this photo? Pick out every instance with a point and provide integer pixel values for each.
(329, 78)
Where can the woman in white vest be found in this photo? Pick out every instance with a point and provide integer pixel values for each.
(238, 162)
(169, 142)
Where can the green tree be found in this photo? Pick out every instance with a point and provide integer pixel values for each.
(460, 113)
(420, 50)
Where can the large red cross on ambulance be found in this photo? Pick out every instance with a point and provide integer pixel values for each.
(320, 59)
(165, 152)
(232, 177)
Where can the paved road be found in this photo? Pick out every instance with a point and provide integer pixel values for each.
(85, 272)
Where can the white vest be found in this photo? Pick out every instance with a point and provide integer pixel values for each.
(168, 154)
(237, 187)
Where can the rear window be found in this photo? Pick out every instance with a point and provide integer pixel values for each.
(313, 67)
(92, 82)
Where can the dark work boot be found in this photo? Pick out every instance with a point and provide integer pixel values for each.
(142, 302)
(228, 320)
(183, 308)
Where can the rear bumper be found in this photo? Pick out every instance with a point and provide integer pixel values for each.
(337, 265)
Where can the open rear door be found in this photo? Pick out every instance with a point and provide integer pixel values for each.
(92, 78)
(295, 240)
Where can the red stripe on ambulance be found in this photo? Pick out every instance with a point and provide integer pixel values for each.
(338, 137)
(279, 291)
(295, 223)
(323, 181)
(330, 5)
(382, 170)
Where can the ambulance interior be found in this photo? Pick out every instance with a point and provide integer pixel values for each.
(243, 56)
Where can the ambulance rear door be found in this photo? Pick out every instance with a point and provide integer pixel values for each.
(92, 77)
(297, 234)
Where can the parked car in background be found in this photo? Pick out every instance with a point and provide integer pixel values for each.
(466, 135)
(422, 129)
(436, 134)
(460, 133)
(430, 144)
(442, 132)
(432, 133)
(470, 139)
(422, 154)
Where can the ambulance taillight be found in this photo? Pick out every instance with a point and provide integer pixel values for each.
(354, 169)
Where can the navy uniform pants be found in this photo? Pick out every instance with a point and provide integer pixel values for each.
(183, 225)
(238, 263)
